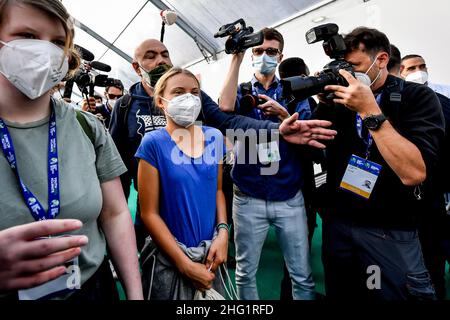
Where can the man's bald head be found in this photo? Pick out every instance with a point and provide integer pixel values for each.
(150, 54)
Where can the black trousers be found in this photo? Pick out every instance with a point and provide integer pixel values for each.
(356, 258)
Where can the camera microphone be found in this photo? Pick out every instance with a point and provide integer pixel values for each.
(85, 53)
(100, 66)
(169, 17)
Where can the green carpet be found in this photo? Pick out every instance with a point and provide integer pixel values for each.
(270, 270)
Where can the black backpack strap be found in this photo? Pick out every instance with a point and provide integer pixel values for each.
(85, 126)
(393, 97)
(124, 108)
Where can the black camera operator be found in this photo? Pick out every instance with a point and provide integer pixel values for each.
(381, 169)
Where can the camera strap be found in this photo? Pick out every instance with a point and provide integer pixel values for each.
(33, 204)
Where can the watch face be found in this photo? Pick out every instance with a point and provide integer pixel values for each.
(371, 123)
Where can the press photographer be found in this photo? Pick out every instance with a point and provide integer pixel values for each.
(380, 176)
(259, 199)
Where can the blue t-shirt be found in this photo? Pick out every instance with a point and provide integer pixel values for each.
(188, 186)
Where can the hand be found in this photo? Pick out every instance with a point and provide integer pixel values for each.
(357, 96)
(218, 251)
(273, 108)
(306, 132)
(27, 262)
(199, 274)
(89, 107)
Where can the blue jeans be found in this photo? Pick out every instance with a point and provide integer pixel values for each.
(252, 218)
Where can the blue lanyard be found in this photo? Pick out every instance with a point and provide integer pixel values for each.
(359, 128)
(33, 204)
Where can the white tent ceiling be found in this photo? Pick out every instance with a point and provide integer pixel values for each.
(125, 24)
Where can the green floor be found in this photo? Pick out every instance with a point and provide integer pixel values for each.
(270, 270)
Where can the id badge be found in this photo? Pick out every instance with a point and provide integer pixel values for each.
(268, 152)
(67, 282)
(361, 176)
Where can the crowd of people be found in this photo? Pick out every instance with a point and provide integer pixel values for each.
(66, 174)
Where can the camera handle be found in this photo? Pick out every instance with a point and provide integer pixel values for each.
(230, 29)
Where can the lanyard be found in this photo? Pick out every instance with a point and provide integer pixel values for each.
(33, 204)
(359, 128)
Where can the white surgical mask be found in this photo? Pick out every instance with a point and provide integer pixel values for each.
(364, 77)
(420, 77)
(184, 109)
(112, 102)
(33, 66)
(265, 64)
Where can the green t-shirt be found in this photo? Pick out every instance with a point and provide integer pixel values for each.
(82, 169)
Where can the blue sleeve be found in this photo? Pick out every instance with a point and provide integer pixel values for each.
(148, 150)
(215, 118)
(237, 105)
(304, 110)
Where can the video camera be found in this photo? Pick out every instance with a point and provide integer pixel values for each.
(85, 79)
(241, 37)
(301, 88)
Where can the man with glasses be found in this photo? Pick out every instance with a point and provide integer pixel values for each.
(261, 200)
(104, 110)
(112, 93)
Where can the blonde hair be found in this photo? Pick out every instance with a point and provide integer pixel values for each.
(55, 9)
(161, 85)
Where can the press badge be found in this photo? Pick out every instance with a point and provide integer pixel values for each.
(65, 283)
(361, 176)
(268, 152)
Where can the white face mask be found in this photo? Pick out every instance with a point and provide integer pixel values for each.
(364, 77)
(112, 102)
(420, 77)
(184, 109)
(33, 66)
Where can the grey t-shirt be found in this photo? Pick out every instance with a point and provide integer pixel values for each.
(82, 169)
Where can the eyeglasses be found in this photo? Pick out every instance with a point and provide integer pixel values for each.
(114, 96)
(270, 51)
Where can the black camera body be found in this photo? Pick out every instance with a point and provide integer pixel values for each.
(241, 37)
(249, 102)
(301, 88)
(85, 79)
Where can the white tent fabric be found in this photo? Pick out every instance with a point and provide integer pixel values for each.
(108, 18)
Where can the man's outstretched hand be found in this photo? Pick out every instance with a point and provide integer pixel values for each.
(306, 132)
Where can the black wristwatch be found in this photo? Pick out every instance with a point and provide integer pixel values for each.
(374, 122)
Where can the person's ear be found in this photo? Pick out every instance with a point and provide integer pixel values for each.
(159, 103)
(384, 59)
(280, 58)
(136, 68)
(402, 68)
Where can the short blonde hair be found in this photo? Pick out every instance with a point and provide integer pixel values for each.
(161, 85)
(55, 9)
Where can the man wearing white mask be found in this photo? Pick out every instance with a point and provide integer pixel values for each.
(381, 177)
(414, 69)
(262, 200)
